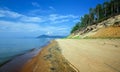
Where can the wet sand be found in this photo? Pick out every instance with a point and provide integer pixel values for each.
(16, 63)
(50, 59)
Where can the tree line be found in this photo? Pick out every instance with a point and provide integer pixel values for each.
(101, 12)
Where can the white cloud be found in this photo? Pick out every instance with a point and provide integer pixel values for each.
(76, 20)
(63, 29)
(52, 18)
(31, 19)
(68, 16)
(55, 18)
(35, 4)
(52, 8)
(19, 17)
(9, 26)
(40, 11)
(49, 33)
(7, 13)
(37, 23)
(60, 21)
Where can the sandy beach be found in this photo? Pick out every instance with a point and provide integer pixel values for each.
(59, 35)
(92, 55)
(72, 55)
(50, 59)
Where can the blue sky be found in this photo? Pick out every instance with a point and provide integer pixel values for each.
(23, 18)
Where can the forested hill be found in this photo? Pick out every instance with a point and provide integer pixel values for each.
(98, 14)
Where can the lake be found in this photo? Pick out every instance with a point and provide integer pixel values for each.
(10, 48)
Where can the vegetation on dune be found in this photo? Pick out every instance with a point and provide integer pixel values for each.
(99, 13)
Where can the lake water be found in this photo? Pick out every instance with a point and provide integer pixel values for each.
(9, 48)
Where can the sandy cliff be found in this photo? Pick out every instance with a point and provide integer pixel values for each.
(107, 28)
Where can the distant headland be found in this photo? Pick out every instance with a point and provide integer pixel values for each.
(50, 36)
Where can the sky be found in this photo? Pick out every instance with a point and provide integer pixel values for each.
(31, 18)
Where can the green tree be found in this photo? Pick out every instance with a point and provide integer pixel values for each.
(76, 27)
(117, 6)
(106, 8)
(112, 6)
(99, 12)
(91, 15)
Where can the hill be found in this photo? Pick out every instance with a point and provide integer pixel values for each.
(104, 29)
(101, 21)
(48, 36)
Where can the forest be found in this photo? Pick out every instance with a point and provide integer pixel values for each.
(101, 12)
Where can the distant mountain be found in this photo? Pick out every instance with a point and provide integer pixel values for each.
(48, 36)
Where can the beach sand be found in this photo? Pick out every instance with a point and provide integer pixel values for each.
(50, 59)
(92, 55)
(76, 55)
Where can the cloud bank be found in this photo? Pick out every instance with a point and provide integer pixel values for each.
(11, 21)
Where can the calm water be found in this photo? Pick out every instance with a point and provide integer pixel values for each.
(9, 48)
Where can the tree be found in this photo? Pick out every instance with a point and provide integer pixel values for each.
(91, 15)
(86, 20)
(98, 14)
(76, 27)
(112, 6)
(106, 8)
(117, 6)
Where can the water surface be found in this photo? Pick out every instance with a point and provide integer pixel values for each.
(9, 48)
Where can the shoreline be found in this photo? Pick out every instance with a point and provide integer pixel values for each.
(13, 57)
(71, 55)
(29, 54)
(49, 59)
(18, 61)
